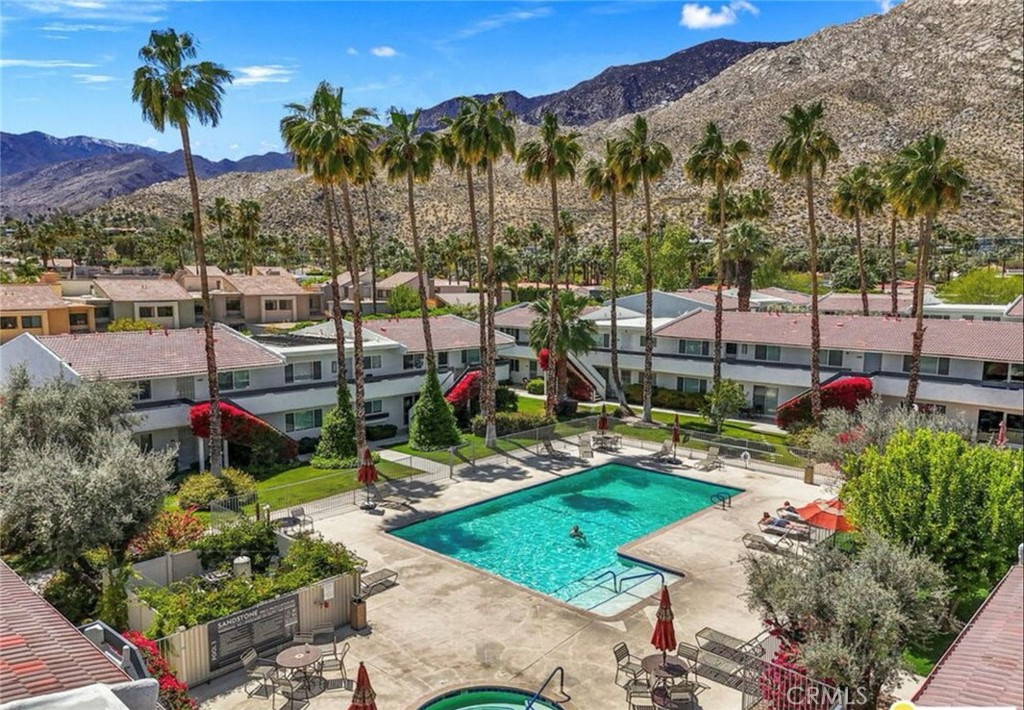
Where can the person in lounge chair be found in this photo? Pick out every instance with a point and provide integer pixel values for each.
(577, 534)
(768, 521)
(788, 507)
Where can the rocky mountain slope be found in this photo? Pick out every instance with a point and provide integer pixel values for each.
(954, 66)
(33, 150)
(621, 90)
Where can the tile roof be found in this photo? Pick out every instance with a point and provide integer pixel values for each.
(877, 302)
(459, 298)
(271, 271)
(28, 297)
(267, 286)
(707, 296)
(142, 290)
(984, 667)
(398, 279)
(211, 270)
(972, 340)
(40, 651)
(795, 297)
(1016, 308)
(448, 332)
(139, 355)
(518, 316)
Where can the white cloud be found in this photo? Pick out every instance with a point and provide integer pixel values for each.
(75, 11)
(352, 51)
(94, 78)
(233, 146)
(270, 146)
(80, 27)
(151, 142)
(384, 51)
(495, 22)
(263, 74)
(886, 5)
(702, 17)
(44, 63)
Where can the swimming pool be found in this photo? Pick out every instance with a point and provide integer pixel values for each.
(524, 536)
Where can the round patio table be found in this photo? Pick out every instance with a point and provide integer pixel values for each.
(665, 673)
(300, 659)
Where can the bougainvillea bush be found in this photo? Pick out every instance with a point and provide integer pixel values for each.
(239, 427)
(846, 394)
(169, 531)
(467, 389)
(173, 693)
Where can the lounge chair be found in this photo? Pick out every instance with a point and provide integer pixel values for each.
(665, 452)
(260, 672)
(768, 543)
(626, 663)
(378, 581)
(586, 448)
(386, 498)
(551, 451)
(794, 531)
(711, 461)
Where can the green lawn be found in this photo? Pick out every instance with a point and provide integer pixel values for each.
(922, 658)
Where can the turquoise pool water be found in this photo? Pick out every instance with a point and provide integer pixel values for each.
(486, 699)
(524, 536)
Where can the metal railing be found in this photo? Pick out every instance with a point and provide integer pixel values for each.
(559, 671)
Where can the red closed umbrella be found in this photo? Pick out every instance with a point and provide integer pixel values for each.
(826, 514)
(602, 421)
(367, 474)
(363, 698)
(675, 435)
(1001, 435)
(664, 638)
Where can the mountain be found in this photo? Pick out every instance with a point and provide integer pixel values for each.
(80, 173)
(621, 90)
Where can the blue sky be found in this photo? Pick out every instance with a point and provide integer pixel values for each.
(66, 65)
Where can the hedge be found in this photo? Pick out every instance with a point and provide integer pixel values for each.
(845, 393)
(666, 398)
(376, 432)
(511, 423)
(535, 386)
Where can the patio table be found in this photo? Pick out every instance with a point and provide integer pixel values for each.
(665, 670)
(301, 660)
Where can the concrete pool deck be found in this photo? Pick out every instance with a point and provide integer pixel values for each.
(447, 625)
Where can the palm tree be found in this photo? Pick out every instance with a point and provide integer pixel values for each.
(172, 91)
(483, 133)
(551, 159)
(806, 149)
(644, 160)
(714, 160)
(573, 335)
(248, 227)
(857, 195)
(365, 182)
(220, 213)
(603, 177)
(922, 183)
(745, 242)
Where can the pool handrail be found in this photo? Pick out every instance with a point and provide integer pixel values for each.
(561, 688)
(642, 575)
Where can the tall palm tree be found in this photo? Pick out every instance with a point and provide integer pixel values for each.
(923, 182)
(249, 216)
(365, 182)
(484, 133)
(551, 159)
(173, 91)
(714, 160)
(603, 178)
(643, 161)
(221, 213)
(807, 149)
(858, 194)
(573, 335)
(745, 242)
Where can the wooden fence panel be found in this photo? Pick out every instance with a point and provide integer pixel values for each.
(317, 609)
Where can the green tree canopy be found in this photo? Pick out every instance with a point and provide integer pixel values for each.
(983, 286)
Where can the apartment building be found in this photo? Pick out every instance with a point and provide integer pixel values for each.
(39, 309)
(270, 295)
(161, 301)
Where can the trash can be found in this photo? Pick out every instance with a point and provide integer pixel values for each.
(809, 473)
(357, 614)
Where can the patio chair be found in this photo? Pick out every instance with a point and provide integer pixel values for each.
(688, 652)
(641, 700)
(308, 639)
(664, 453)
(287, 689)
(637, 684)
(683, 695)
(333, 658)
(626, 662)
(298, 519)
(550, 449)
(260, 672)
(711, 461)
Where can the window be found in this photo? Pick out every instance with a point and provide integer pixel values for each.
(513, 366)
(643, 342)
(314, 303)
(995, 372)
(931, 408)
(832, 358)
(143, 390)
(165, 311)
(283, 305)
(771, 353)
(233, 380)
(102, 313)
(692, 385)
(270, 305)
(929, 365)
(76, 319)
(991, 318)
(371, 362)
(31, 321)
(471, 357)
(442, 359)
(146, 311)
(302, 371)
(306, 419)
(730, 349)
(412, 362)
(1016, 372)
(233, 305)
(197, 310)
(698, 348)
(146, 442)
(8, 322)
(373, 406)
(606, 340)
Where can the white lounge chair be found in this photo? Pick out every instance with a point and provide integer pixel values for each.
(711, 461)
(665, 452)
(586, 448)
(550, 449)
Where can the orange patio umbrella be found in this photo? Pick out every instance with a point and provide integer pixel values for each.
(664, 638)
(363, 698)
(826, 514)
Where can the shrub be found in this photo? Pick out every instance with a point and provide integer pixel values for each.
(723, 401)
(376, 432)
(337, 438)
(308, 444)
(122, 325)
(237, 482)
(433, 424)
(666, 398)
(75, 601)
(845, 393)
(506, 400)
(252, 538)
(173, 692)
(511, 422)
(535, 386)
(199, 489)
(169, 531)
(317, 557)
(403, 298)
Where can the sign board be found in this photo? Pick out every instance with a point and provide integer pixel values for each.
(262, 626)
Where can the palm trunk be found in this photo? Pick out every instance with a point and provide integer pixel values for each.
(744, 278)
(357, 319)
(894, 274)
(620, 393)
(694, 274)
(421, 279)
(481, 293)
(562, 376)
(489, 393)
(918, 344)
(860, 266)
(648, 303)
(339, 325)
(216, 446)
(551, 391)
(815, 326)
(716, 366)
(372, 245)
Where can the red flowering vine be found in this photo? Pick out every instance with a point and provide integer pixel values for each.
(544, 359)
(467, 388)
(173, 693)
(845, 393)
(239, 427)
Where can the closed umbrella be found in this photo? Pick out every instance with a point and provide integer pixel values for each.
(676, 436)
(1001, 435)
(664, 638)
(367, 474)
(363, 698)
(826, 514)
(602, 421)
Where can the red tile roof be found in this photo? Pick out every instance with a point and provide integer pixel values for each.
(985, 665)
(142, 290)
(29, 297)
(707, 296)
(877, 302)
(1016, 308)
(448, 332)
(972, 340)
(40, 651)
(399, 278)
(140, 355)
(519, 316)
(267, 286)
(795, 297)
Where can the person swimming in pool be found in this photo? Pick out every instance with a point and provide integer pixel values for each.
(577, 534)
